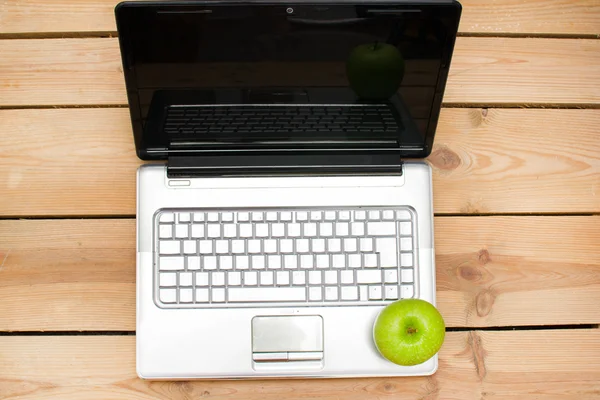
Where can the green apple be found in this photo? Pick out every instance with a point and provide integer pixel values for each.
(375, 70)
(409, 332)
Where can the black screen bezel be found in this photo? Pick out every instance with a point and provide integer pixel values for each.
(450, 10)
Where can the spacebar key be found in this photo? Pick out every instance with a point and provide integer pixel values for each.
(274, 294)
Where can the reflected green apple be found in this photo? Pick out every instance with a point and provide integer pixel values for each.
(375, 70)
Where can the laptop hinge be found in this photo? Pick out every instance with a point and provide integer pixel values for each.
(237, 164)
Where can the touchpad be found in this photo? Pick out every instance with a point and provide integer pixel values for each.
(287, 338)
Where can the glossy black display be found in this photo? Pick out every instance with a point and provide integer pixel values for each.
(310, 67)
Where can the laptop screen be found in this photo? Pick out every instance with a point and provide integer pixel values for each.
(258, 76)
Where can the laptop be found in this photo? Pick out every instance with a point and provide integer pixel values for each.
(285, 200)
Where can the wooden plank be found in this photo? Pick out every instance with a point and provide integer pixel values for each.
(484, 71)
(473, 365)
(82, 161)
(491, 271)
(551, 17)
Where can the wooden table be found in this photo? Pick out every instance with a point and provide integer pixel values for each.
(517, 202)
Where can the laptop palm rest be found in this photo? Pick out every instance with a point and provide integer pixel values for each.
(287, 341)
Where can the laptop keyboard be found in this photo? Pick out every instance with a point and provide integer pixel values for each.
(192, 120)
(286, 257)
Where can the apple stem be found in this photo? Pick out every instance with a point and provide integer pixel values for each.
(411, 330)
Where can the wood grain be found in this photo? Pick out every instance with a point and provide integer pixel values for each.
(491, 271)
(473, 365)
(484, 71)
(82, 162)
(550, 17)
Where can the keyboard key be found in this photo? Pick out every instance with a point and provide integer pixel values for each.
(406, 244)
(293, 230)
(307, 261)
(302, 246)
(229, 230)
(250, 278)
(243, 216)
(285, 216)
(210, 263)
(375, 293)
(342, 229)
(169, 247)
(170, 263)
(212, 217)
(314, 277)
(271, 216)
(407, 275)
(310, 229)
(242, 262)
(254, 246)
(165, 231)
(246, 230)
(406, 260)
(368, 276)
(262, 230)
(276, 294)
(234, 278)
(391, 276)
(370, 261)
(334, 245)
(270, 246)
(266, 278)
(168, 295)
(366, 244)
(201, 278)
(381, 228)
(205, 246)
(238, 246)
(331, 277)
(354, 261)
(274, 261)
(338, 261)
(325, 229)
(344, 215)
(315, 294)
(167, 217)
(183, 217)
(349, 293)
(347, 277)
(316, 215)
(350, 245)
(189, 247)
(197, 231)
(406, 291)
(257, 216)
(391, 292)
(299, 278)
(168, 279)
(290, 261)
(330, 215)
(201, 295)
(403, 215)
(360, 215)
(318, 245)
(258, 262)
(283, 277)
(331, 293)
(213, 230)
(198, 217)
(322, 261)
(388, 215)
(185, 279)
(286, 246)
(405, 228)
(182, 231)
(278, 230)
(301, 216)
(374, 215)
(388, 255)
(225, 262)
(363, 292)
(218, 295)
(218, 279)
